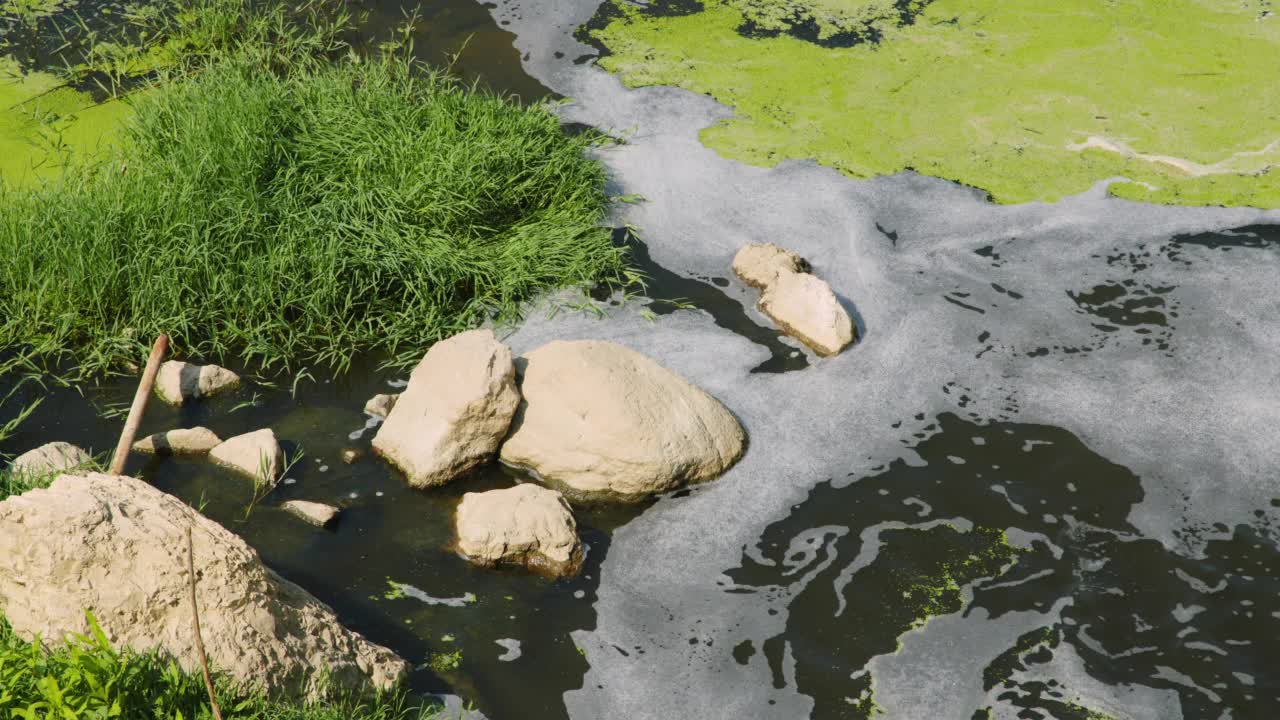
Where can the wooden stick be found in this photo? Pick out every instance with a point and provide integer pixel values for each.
(139, 404)
(195, 620)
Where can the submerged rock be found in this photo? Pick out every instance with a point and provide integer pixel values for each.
(526, 525)
(178, 383)
(193, 441)
(603, 421)
(351, 456)
(805, 308)
(381, 405)
(256, 454)
(454, 413)
(759, 263)
(51, 458)
(802, 304)
(317, 514)
(117, 546)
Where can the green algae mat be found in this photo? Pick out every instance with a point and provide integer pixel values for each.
(43, 121)
(1034, 100)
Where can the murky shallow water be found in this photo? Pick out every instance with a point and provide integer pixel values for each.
(1092, 605)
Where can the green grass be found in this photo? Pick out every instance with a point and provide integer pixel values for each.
(282, 210)
(86, 678)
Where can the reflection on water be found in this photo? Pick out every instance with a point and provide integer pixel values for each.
(862, 564)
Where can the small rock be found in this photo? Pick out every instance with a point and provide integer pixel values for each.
(526, 525)
(351, 456)
(178, 382)
(454, 413)
(119, 546)
(804, 307)
(381, 405)
(758, 264)
(602, 421)
(51, 459)
(317, 514)
(193, 441)
(255, 454)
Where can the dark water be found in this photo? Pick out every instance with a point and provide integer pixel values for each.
(1138, 613)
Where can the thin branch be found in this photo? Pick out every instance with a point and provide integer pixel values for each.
(195, 620)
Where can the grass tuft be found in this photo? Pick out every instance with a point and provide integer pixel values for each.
(301, 213)
(87, 678)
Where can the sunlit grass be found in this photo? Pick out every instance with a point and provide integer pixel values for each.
(303, 217)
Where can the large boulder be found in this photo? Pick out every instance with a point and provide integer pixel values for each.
(601, 421)
(117, 546)
(50, 459)
(455, 411)
(805, 308)
(527, 525)
(178, 383)
(257, 455)
(184, 441)
(759, 263)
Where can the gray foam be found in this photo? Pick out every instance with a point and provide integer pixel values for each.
(1196, 423)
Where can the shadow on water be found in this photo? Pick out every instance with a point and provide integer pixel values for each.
(670, 291)
(866, 562)
(386, 567)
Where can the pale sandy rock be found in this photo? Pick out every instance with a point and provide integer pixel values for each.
(758, 264)
(455, 411)
(317, 514)
(603, 421)
(526, 525)
(117, 546)
(178, 383)
(256, 454)
(381, 405)
(185, 441)
(805, 308)
(51, 458)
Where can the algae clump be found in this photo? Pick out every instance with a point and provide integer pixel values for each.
(43, 121)
(1027, 101)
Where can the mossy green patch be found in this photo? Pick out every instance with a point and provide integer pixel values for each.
(43, 121)
(1029, 101)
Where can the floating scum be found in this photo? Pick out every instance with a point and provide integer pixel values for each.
(301, 215)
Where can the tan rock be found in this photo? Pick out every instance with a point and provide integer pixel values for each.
(317, 514)
(455, 411)
(257, 455)
(804, 307)
(117, 546)
(51, 458)
(178, 383)
(758, 264)
(381, 405)
(526, 525)
(603, 421)
(192, 441)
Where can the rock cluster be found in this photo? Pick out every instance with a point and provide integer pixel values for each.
(117, 547)
(802, 304)
(594, 420)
